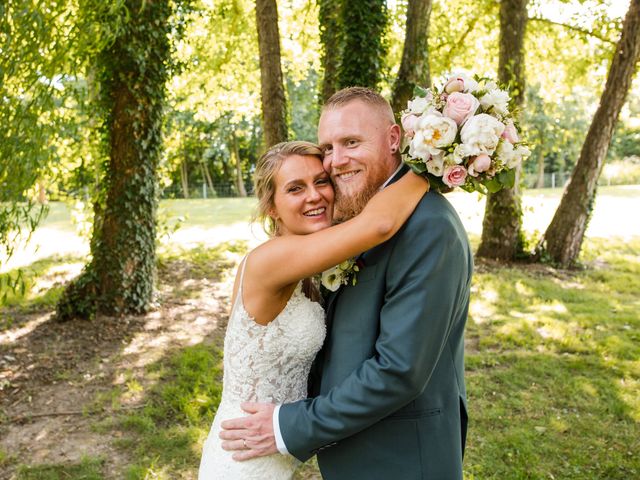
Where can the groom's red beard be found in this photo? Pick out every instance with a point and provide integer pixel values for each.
(348, 206)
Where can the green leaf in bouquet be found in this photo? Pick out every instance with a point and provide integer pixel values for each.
(437, 183)
(468, 187)
(478, 186)
(493, 185)
(417, 166)
(507, 177)
(419, 91)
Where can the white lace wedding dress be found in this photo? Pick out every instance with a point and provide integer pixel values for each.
(263, 364)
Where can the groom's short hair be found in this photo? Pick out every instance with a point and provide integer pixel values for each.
(364, 94)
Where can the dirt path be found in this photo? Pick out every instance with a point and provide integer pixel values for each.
(56, 379)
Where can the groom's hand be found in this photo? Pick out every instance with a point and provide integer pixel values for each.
(250, 436)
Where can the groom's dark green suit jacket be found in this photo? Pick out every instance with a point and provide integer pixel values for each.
(387, 392)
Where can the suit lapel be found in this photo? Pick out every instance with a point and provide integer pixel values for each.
(331, 305)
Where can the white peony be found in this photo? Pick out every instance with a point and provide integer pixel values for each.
(433, 132)
(496, 98)
(420, 105)
(418, 148)
(482, 133)
(470, 85)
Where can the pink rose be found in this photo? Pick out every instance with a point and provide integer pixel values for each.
(510, 133)
(409, 123)
(479, 164)
(455, 84)
(460, 107)
(454, 175)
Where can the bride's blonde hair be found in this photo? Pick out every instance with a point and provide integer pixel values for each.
(264, 178)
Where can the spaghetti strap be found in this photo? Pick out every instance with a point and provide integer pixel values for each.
(244, 265)
(239, 292)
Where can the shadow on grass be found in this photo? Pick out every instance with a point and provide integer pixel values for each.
(181, 390)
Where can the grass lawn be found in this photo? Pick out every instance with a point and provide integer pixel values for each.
(553, 378)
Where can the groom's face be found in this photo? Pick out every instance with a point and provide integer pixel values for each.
(358, 141)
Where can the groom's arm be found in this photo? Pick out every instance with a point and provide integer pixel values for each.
(427, 270)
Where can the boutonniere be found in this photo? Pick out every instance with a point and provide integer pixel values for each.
(342, 274)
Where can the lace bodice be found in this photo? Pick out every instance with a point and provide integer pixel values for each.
(271, 363)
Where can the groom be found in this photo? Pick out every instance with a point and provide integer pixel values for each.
(387, 397)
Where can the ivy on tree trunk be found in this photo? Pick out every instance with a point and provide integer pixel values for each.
(363, 51)
(132, 72)
(502, 223)
(563, 239)
(331, 39)
(414, 67)
(274, 106)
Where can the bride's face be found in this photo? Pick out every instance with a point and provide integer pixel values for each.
(303, 200)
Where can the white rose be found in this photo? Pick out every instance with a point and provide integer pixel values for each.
(436, 131)
(498, 99)
(519, 154)
(419, 105)
(332, 279)
(435, 166)
(482, 133)
(463, 151)
(511, 156)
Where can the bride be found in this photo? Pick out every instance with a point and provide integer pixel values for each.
(276, 325)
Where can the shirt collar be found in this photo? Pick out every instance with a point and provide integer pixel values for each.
(392, 175)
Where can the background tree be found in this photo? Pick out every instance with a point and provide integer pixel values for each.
(363, 51)
(502, 223)
(274, 105)
(132, 71)
(332, 43)
(414, 67)
(564, 236)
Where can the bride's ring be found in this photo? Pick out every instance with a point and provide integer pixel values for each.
(244, 443)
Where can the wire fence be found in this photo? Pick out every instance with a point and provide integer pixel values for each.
(202, 190)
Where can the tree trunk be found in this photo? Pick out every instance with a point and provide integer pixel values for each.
(132, 72)
(363, 25)
(540, 181)
(502, 224)
(242, 192)
(184, 178)
(207, 176)
(329, 19)
(414, 68)
(563, 239)
(274, 107)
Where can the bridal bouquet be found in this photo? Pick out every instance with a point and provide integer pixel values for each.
(463, 135)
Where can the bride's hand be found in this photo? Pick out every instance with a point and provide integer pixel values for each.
(250, 436)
